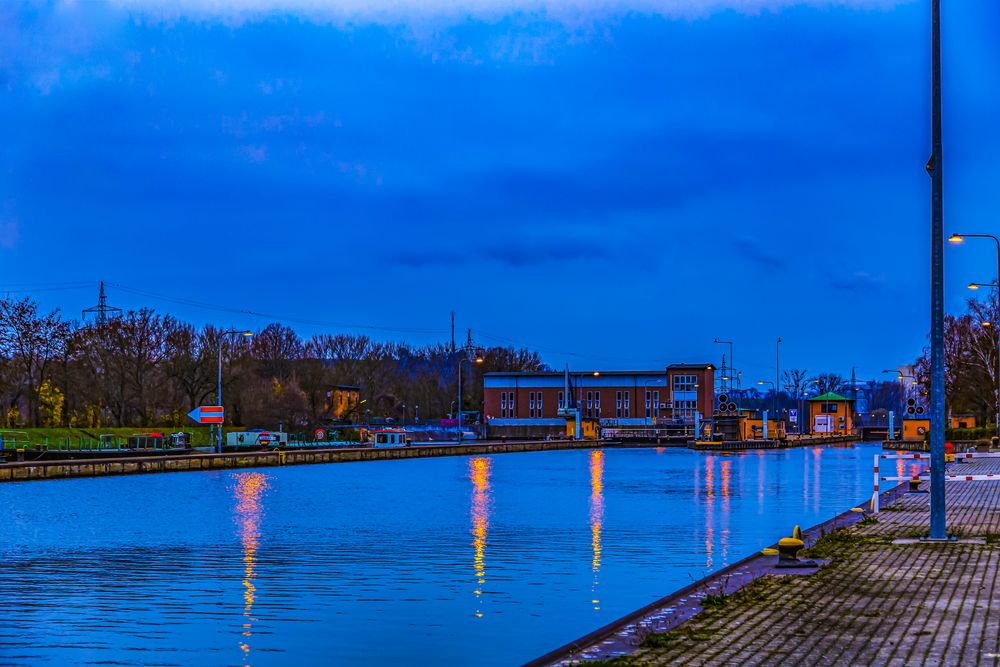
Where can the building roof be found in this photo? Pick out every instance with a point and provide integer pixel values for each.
(655, 371)
(830, 396)
(572, 373)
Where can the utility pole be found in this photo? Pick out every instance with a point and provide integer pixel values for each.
(777, 379)
(453, 332)
(938, 527)
(466, 351)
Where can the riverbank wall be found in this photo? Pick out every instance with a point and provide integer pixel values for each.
(38, 470)
(803, 441)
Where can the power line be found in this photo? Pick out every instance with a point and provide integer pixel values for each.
(282, 318)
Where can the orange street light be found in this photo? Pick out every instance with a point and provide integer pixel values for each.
(956, 238)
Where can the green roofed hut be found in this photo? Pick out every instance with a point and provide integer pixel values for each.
(831, 413)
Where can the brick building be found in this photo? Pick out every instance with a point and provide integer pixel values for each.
(672, 395)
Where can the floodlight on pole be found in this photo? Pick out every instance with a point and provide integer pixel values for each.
(218, 395)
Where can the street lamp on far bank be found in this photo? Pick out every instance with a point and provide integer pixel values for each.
(902, 376)
(218, 395)
(774, 388)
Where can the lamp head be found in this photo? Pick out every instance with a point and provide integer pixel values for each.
(956, 238)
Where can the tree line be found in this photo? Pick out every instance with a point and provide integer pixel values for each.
(146, 369)
(970, 360)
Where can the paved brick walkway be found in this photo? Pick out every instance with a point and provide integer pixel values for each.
(876, 603)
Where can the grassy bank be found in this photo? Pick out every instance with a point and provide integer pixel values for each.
(86, 438)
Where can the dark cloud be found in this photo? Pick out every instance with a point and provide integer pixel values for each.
(652, 150)
(858, 282)
(520, 250)
(755, 251)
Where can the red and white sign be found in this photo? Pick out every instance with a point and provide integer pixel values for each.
(319, 435)
(265, 438)
(208, 414)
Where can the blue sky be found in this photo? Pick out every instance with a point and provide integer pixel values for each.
(614, 184)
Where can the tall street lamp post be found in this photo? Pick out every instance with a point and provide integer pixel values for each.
(777, 374)
(900, 377)
(938, 527)
(958, 238)
(774, 399)
(218, 391)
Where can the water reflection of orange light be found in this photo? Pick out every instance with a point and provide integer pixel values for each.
(596, 519)
(479, 473)
(726, 475)
(761, 474)
(817, 455)
(249, 491)
(709, 510)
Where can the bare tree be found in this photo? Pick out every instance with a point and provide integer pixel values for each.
(32, 341)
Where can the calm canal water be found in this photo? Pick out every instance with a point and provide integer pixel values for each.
(481, 560)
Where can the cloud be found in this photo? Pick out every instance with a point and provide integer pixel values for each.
(858, 281)
(396, 11)
(753, 250)
(9, 233)
(254, 153)
(519, 251)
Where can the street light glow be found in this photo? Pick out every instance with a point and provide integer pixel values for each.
(956, 238)
(973, 286)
